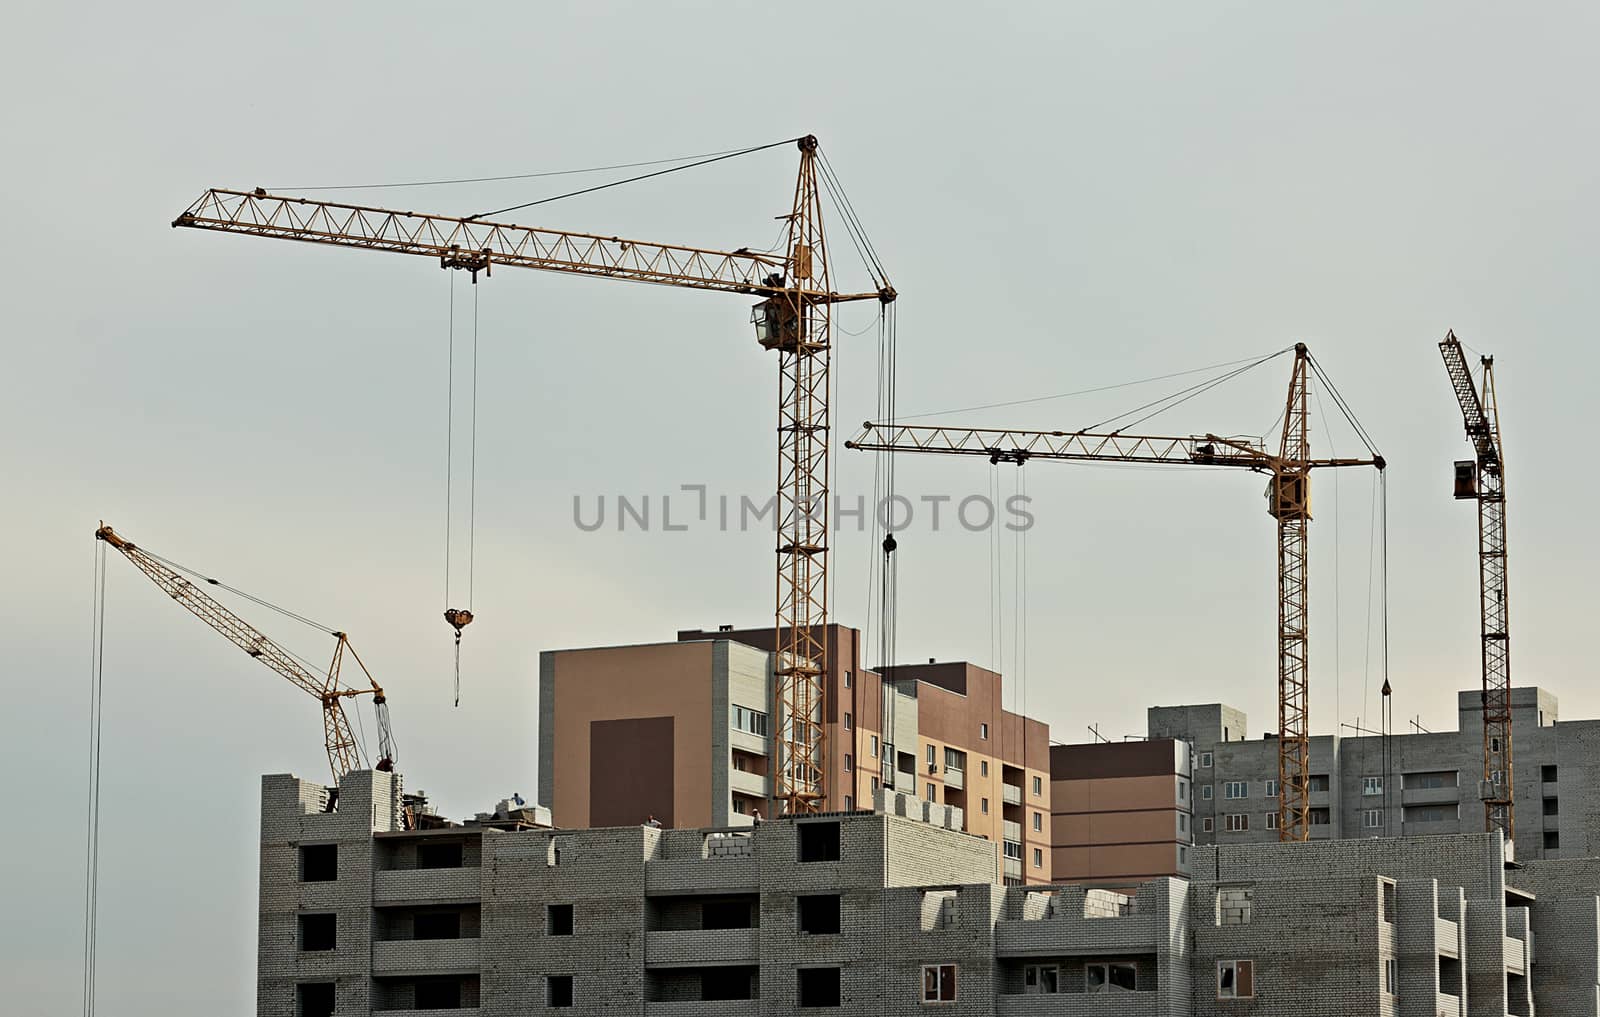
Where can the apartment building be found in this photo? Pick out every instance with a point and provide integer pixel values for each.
(1121, 811)
(682, 732)
(1408, 784)
(887, 912)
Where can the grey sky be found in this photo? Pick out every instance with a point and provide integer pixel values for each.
(1065, 195)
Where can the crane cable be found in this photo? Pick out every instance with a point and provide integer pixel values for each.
(91, 847)
(460, 617)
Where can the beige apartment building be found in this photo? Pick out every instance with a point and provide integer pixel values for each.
(682, 732)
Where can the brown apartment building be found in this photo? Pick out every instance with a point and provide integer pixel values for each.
(1121, 811)
(682, 731)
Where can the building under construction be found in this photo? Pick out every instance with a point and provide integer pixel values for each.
(891, 911)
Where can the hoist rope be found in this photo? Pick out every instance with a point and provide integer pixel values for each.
(91, 848)
(472, 465)
(449, 432)
(635, 179)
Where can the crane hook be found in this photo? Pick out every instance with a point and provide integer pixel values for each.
(459, 618)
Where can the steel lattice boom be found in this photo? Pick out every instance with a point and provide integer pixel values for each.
(344, 753)
(794, 319)
(1484, 480)
(1289, 502)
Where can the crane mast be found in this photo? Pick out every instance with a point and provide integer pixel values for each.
(1483, 480)
(793, 319)
(344, 752)
(1288, 501)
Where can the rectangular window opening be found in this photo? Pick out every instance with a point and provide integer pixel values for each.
(818, 841)
(939, 983)
(558, 919)
(439, 856)
(818, 914)
(1041, 979)
(558, 990)
(817, 986)
(1110, 977)
(314, 999)
(319, 863)
(1236, 979)
(319, 932)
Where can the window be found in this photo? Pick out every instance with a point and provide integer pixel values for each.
(1547, 774)
(983, 731)
(984, 805)
(1205, 825)
(817, 986)
(1372, 785)
(1317, 783)
(1011, 849)
(1494, 744)
(1038, 858)
(319, 932)
(1391, 976)
(1183, 822)
(1319, 817)
(1205, 792)
(933, 793)
(875, 785)
(558, 919)
(746, 719)
(849, 721)
(818, 914)
(558, 990)
(1205, 759)
(847, 679)
(955, 759)
(1552, 806)
(437, 994)
(313, 999)
(1236, 979)
(849, 762)
(938, 983)
(1041, 979)
(1497, 778)
(983, 767)
(1270, 789)
(1272, 821)
(1428, 781)
(319, 863)
(819, 842)
(1109, 978)
(932, 756)
(439, 856)
(1236, 789)
(1183, 855)
(1038, 786)
(1552, 840)
(874, 746)
(1430, 813)
(725, 914)
(1372, 819)
(849, 803)
(1387, 902)
(1038, 822)
(1183, 791)
(1237, 822)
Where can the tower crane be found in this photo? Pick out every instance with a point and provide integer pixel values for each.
(1288, 501)
(1484, 480)
(793, 319)
(344, 752)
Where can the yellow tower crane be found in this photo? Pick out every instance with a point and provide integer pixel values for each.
(1288, 501)
(794, 320)
(344, 752)
(1484, 480)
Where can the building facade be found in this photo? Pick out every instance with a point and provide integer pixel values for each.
(888, 912)
(1121, 811)
(682, 732)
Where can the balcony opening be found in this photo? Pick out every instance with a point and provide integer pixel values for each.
(313, 999)
(818, 914)
(436, 925)
(1547, 774)
(318, 932)
(817, 987)
(1552, 840)
(438, 994)
(558, 991)
(728, 983)
(1552, 806)
(726, 914)
(1450, 976)
(818, 842)
(319, 863)
(439, 856)
(559, 919)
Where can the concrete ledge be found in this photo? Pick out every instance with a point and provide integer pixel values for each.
(701, 875)
(701, 948)
(415, 886)
(425, 957)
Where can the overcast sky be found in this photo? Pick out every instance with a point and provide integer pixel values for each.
(1067, 196)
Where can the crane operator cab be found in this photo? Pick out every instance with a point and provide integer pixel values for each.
(777, 320)
(1466, 479)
